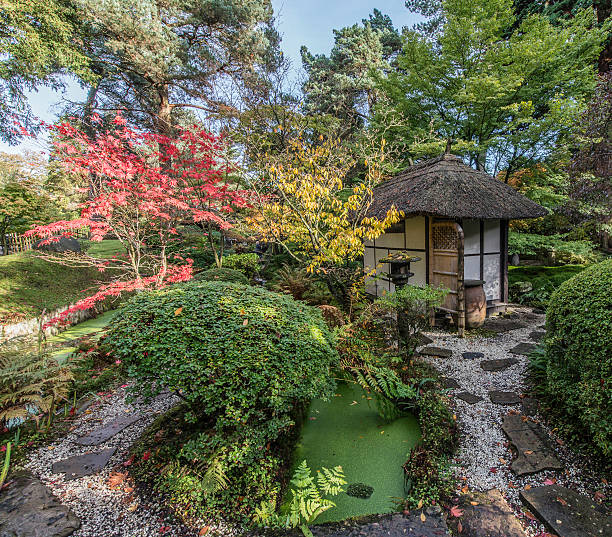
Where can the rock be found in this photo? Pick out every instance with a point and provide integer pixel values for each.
(498, 365)
(468, 397)
(537, 335)
(436, 351)
(473, 355)
(99, 436)
(530, 441)
(28, 509)
(504, 398)
(523, 348)
(449, 383)
(82, 465)
(491, 517)
(58, 245)
(567, 513)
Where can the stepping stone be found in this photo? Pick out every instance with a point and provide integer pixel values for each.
(498, 365)
(523, 348)
(490, 517)
(27, 508)
(504, 398)
(82, 465)
(449, 383)
(99, 436)
(531, 443)
(424, 340)
(529, 406)
(436, 351)
(468, 397)
(537, 335)
(501, 325)
(567, 513)
(473, 355)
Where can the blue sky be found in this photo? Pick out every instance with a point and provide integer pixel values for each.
(300, 22)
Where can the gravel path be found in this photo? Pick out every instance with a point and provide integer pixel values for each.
(484, 457)
(105, 510)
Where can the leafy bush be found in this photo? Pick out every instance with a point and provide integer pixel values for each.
(412, 306)
(221, 275)
(552, 249)
(293, 281)
(248, 264)
(244, 359)
(579, 354)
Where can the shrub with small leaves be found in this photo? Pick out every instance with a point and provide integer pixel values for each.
(248, 264)
(579, 355)
(221, 275)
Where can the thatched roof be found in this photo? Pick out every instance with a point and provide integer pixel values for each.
(445, 186)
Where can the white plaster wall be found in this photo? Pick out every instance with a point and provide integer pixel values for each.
(471, 268)
(492, 236)
(415, 232)
(492, 268)
(471, 232)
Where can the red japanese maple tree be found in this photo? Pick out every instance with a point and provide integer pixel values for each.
(141, 187)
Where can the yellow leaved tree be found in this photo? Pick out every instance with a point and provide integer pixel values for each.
(312, 200)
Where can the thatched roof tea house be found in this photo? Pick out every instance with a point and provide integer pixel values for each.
(456, 221)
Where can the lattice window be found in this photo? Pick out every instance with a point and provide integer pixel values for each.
(444, 237)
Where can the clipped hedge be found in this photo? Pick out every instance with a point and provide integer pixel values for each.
(242, 354)
(248, 264)
(221, 275)
(579, 354)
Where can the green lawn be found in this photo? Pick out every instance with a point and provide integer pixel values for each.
(347, 431)
(29, 284)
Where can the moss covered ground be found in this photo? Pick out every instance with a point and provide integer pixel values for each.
(347, 431)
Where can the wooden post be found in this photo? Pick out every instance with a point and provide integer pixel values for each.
(460, 280)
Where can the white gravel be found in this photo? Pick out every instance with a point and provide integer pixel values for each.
(484, 457)
(105, 511)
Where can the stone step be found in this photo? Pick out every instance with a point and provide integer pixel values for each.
(498, 365)
(473, 355)
(468, 397)
(449, 383)
(567, 513)
(537, 335)
(504, 398)
(82, 465)
(101, 435)
(439, 352)
(523, 348)
(531, 443)
(27, 508)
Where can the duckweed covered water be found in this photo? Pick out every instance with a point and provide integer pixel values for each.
(347, 431)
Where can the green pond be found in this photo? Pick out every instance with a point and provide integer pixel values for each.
(347, 431)
(63, 339)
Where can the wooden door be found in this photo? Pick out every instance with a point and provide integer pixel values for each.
(444, 244)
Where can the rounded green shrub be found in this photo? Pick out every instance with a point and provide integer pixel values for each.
(579, 354)
(248, 264)
(221, 275)
(240, 355)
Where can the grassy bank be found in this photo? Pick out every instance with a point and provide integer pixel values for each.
(29, 284)
(542, 279)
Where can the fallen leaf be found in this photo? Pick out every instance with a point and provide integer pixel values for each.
(550, 481)
(529, 515)
(382, 432)
(353, 403)
(493, 470)
(129, 461)
(512, 485)
(420, 503)
(527, 487)
(128, 489)
(146, 455)
(116, 479)
(459, 527)
(133, 507)
(528, 452)
(245, 322)
(465, 489)
(204, 531)
(178, 311)
(423, 517)
(474, 503)
(503, 461)
(599, 496)
(560, 442)
(561, 501)
(456, 512)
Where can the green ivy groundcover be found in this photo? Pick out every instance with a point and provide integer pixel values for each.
(347, 431)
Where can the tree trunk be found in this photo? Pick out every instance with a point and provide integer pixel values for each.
(163, 120)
